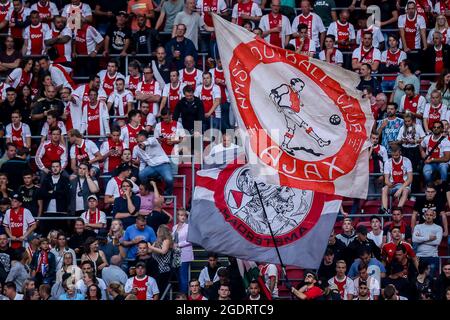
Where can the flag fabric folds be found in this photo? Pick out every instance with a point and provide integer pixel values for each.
(305, 124)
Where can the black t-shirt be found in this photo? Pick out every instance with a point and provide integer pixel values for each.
(386, 9)
(30, 198)
(14, 169)
(422, 204)
(107, 5)
(156, 219)
(46, 105)
(117, 38)
(145, 41)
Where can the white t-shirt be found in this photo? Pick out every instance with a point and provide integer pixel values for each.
(420, 133)
(27, 221)
(333, 29)
(314, 30)
(406, 168)
(120, 100)
(264, 24)
(444, 146)
(45, 130)
(377, 239)
(15, 77)
(152, 287)
(58, 77)
(100, 219)
(271, 270)
(348, 286)
(445, 33)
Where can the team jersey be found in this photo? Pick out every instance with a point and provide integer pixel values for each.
(83, 152)
(95, 120)
(269, 271)
(193, 78)
(428, 144)
(18, 222)
(17, 17)
(113, 187)
(345, 286)
(336, 56)
(398, 170)
(382, 153)
(18, 135)
(173, 94)
(70, 10)
(146, 287)
(205, 6)
(4, 9)
(167, 131)
(49, 152)
(308, 46)
(47, 12)
(131, 83)
(18, 78)
(61, 76)
(120, 102)
(270, 21)
(415, 104)
(45, 132)
(445, 36)
(218, 78)
(388, 250)
(377, 35)
(114, 159)
(440, 8)
(250, 9)
(128, 134)
(342, 32)
(64, 49)
(392, 58)
(35, 38)
(208, 95)
(153, 88)
(81, 95)
(434, 114)
(412, 29)
(315, 26)
(74, 115)
(390, 132)
(94, 217)
(108, 82)
(364, 55)
(86, 39)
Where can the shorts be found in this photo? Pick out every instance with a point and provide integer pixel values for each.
(396, 187)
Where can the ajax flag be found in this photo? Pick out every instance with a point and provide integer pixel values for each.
(227, 217)
(304, 123)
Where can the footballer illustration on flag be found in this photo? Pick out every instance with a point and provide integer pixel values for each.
(305, 124)
(227, 216)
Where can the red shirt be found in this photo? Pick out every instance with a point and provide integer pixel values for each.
(174, 97)
(439, 62)
(17, 136)
(108, 83)
(207, 99)
(93, 120)
(132, 83)
(52, 153)
(209, 5)
(45, 13)
(60, 48)
(36, 39)
(410, 32)
(16, 32)
(189, 78)
(275, 21)
(132, 135)
(243, 8)
(168, 131)
(114, 160)
(411, 103)
(397, 171)
(343, 34)
(80, 40)
(16, 226)
(392, 60)
(389, 248)
(141, 287)
(313, 293)
(308, 20)
(219, 75)
(434, 116)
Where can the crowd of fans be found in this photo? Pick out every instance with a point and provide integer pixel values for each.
(101, 98)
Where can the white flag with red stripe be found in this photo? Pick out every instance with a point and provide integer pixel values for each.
(305, 124)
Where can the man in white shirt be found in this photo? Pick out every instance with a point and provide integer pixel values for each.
(223, 152)
(412, 28)
(316, 29)
(153, 161)
(246, 10)
(275, 26)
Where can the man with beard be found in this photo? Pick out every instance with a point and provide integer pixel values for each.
(309, 291)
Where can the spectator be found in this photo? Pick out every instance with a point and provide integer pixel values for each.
(82, 186)
(70, 292)
(89, 279)
(53, 122)
(88, 42)
(427, 236)
(403, 78)
(135, 234)
(94, 218)
(79, 237)
(5, 190)
(6, 255)
(113, 273)
(194, 287)
(390, 126)
(111, 151)
(389, 14)
(337, 246)
(412, 28)
(376, 234)
(144, 255)
(118, 36)
(93, 292)
(275, 26)
(95, 121)
(348, 233)
(169, 11)
(43, 264)
(179, 47)
(38, 31)
(147, 193)
(441, 85)
(316, 29)
(172, 92)
(14, 167)
(108, 78)
(224, 292)
(141, 285)
(208, 275)
(412, 102)
(398, 176)
(434, 111)
(145, 39)
(126, 207)
(331, 54)
(309, 291)
(44, 105)
(29, 192)
(21, 75)
(60, 250)
(114, 186)
(10, 291)
(149, 91)
(303, 43)
(390, 61)
(8, 106)
(161, 251)
(140, 8)
(423, 285)
(92, 253)
(397, 221)
(435, 151)
(130, 132)
(441, 26)
(432, 200)
(375, 267)
(437, 57)
(343, 31)
(443, 283)
(83, 150)
(190, 109)
(59, 39)
(269, 273)
(18, 132)
(367, 80)
(193, 22)
(344, 284)
(363, 291)
(153, 161)
(362, 241)
(76, 7)
(190, 76)
(50, 151)
(158, 215)
(116, 292)
(19, 269)
(372, 284)
(389, 248)
(9, 57)
(17, 18)
(163, 64)
(366, 53)
(105, 12)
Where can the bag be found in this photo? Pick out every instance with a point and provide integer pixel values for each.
(176, 258)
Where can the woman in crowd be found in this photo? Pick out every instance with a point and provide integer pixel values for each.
(162, 252)
(21, 75)
(115, 234)
(116, 292)
(147, 194)
(92, 253)
(89, 279)
(409, 137)
(61, 249)
(179, 232)
(69, 266)
(443, 85)
(93, 293)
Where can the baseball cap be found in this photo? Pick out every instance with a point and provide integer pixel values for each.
(92, 196)
(17, 196)
(362, 230)
(312, 273)
(140, 264)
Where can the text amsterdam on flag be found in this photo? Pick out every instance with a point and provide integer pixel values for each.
(306, 125)
(227, 217)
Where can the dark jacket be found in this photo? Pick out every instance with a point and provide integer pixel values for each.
(186, 48)
(51, 272)
(73, 192)
(60, 192)
(442, 283)
(355, 246)
(76, 241)
(372, 83)
(146, 41)
(14, 168)
(190, 111)
(428, 58)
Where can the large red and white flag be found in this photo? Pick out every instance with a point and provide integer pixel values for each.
(305, 124)
(227, 217)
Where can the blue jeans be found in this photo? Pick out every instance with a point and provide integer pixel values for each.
(429, 168)
(164, 170)
(183, 277)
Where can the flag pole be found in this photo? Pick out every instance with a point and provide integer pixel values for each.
(283, 267)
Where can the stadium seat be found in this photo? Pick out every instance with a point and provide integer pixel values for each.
(371, 206)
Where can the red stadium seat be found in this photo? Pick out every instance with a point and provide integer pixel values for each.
(371, 206)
